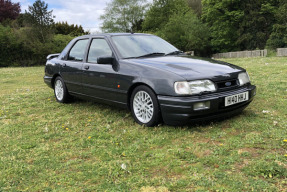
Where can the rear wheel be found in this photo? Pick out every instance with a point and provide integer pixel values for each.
(60, 90)
(144, 106)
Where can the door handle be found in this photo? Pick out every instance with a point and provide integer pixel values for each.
(86, 67)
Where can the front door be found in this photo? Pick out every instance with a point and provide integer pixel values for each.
(100, 81)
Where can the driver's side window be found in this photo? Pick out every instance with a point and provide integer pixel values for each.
(99, 48)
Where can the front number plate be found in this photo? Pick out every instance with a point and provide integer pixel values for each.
(238, 98)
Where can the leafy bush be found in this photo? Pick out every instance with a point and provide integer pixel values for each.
(186, 32)
(179, 25)
(21, 49)
(278, 38)
(59, 42)
(12, 49)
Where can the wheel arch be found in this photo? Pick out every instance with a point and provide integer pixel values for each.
(130, 91)
(53, 79)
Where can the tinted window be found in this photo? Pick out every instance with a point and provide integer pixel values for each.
(138, 45)
(99, 48)
(78, 50)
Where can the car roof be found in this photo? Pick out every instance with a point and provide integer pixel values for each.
(113, 34)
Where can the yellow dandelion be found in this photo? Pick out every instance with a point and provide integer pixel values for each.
(270, 175)
(220, 144)
(67, 129)
(285, 155)
(285, 140)
(63, 126)
(123, 154)
(89, 137)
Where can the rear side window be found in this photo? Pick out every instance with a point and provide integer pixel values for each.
(99, 48)
(78, 50)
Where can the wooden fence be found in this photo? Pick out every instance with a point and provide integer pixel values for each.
(281, 52)
(190, 53)
(239, 54)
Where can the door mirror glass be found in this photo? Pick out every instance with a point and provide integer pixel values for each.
(105, 60)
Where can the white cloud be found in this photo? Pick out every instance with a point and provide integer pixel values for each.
(80, 12)
(24, 4)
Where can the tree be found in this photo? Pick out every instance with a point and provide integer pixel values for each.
(187, 33)
(9, 47)
(278, 37)
(123, 15)
(176, 22)
(160, 12)
(40, 19)
(239, 24)
(40, 14)
(9, 10)
(256, 25)
(196, 6)
(66, 29)
(223, 19)
(35, 32)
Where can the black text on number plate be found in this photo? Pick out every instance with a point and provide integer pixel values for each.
(238, 98)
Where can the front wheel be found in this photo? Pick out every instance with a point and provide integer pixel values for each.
(144, 106)
(60, 90)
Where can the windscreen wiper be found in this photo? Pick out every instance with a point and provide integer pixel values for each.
(147, 55)
(174, 53)
(151, 54)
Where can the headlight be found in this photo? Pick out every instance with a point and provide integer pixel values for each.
(182, 88)
(194, 87)
(243, 78)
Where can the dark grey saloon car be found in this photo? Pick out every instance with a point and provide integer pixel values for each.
(149, 76)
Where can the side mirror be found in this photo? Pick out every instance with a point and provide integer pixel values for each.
(105, 60)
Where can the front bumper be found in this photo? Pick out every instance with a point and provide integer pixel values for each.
(179, 110)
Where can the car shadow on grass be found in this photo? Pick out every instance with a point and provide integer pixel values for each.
(195, 126)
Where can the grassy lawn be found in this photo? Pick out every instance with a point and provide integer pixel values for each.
(84, 146)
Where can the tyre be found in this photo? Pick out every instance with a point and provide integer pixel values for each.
(60, 91)
(144, 106)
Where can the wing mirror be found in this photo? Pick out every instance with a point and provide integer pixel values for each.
(105, 60)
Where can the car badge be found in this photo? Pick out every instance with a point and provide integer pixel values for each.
(227, 84)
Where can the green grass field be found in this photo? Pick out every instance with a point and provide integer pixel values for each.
(85, 146)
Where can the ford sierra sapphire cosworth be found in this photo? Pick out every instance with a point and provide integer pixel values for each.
(149, 76)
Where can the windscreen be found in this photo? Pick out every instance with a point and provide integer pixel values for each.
(131, 46)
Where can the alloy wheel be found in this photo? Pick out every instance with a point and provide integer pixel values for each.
(143, 106)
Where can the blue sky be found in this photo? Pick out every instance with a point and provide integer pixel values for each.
(81, 12)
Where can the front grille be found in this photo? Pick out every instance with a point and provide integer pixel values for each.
(227, 84)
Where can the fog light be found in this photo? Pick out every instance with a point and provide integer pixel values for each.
(201, 105)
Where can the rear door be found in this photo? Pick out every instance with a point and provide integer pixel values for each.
(71, 66)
